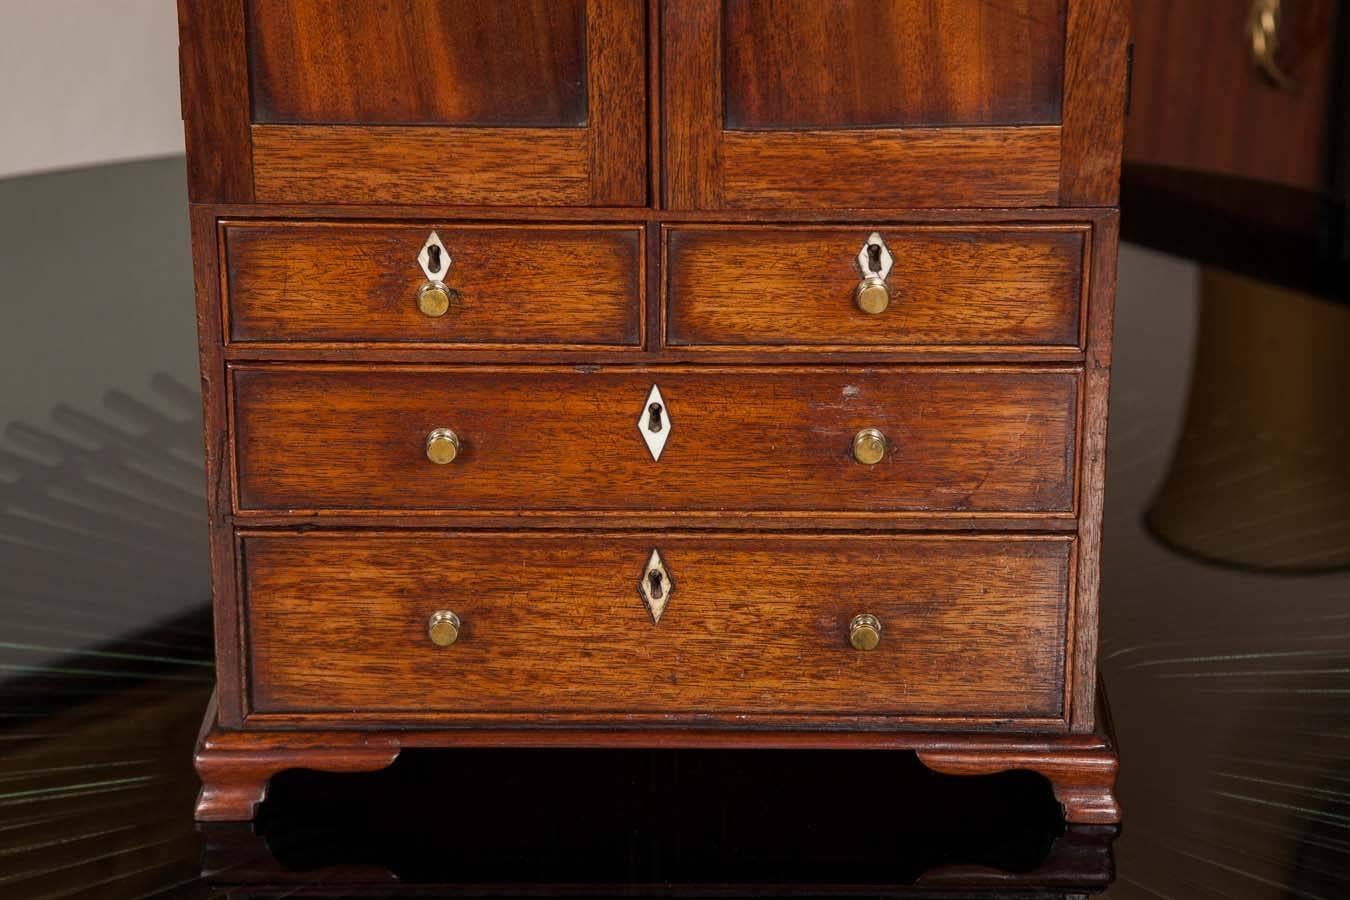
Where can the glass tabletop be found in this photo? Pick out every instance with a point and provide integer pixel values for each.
(1225, 643)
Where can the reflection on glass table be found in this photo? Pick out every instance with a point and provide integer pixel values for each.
(658, 822)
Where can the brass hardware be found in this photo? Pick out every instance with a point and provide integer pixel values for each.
(870, 446)
(655, 586)
(1263, 30)
(443, 628)
(864, 632)
(442, 446)
(434, 299)
(873, 295)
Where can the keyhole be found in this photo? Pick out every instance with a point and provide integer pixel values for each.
(653, 417)
(874, 257)
(434, 259)
(657, 584)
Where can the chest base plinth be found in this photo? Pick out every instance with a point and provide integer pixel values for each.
(236, 766)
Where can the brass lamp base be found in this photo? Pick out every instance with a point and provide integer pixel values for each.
(1261, 475)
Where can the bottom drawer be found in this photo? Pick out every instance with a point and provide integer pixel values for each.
(552, 625)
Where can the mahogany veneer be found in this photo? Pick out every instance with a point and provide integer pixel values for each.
(1018, 286)
(536, 438)
(329, 62)
(619, 489)
(996, 64)
(343, 283)
(976, 626)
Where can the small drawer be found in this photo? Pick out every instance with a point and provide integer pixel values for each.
(918, 439)
(504, 286)
(943, 286)
(340, 625)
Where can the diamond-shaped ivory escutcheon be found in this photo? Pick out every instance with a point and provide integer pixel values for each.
(656, 586)
(878, 262)
(654, 422)
(434, 259)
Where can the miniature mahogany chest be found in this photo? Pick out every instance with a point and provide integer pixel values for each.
(655, 373)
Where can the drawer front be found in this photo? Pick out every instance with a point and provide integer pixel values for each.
(996, 286)
(554, 623)
(535, 438)
(509, 285)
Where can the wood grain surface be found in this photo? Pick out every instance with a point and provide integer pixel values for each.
(514, 284)
(418, 62)
(854, 162)
(616, 85)
(351, 438)
(917, 167)
(1095, 74)
(421, 164)
(218, 467)
(711, 166)
(552, 132)
(213, 76)
(738, 151)
(1090, 222)
(860, 63)
(950, 286)
(554, 623)
(1085, 714)
(1200, 103)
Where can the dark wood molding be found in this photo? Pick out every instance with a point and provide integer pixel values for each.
(235, 766)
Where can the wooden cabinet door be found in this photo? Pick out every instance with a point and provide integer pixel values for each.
(519, 102)
(892, 103)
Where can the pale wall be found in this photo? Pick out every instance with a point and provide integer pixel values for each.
(84, 82)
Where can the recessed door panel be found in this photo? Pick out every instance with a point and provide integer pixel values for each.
(892, 63)
(801, 104)
(436, 102)
(418, 62)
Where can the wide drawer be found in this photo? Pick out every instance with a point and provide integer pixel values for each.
(350, 438)
(554, 623)
(510, 285)
(1000, 286)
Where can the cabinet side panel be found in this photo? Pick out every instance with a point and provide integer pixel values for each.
(213, 70)
(1094, 102)
(1092, 477)
(224, 596)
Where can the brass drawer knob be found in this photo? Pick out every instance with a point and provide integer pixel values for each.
(442, 446)
(873, 295)
(433, 299)
(443, 628)
(864, 632)
(870, 446)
